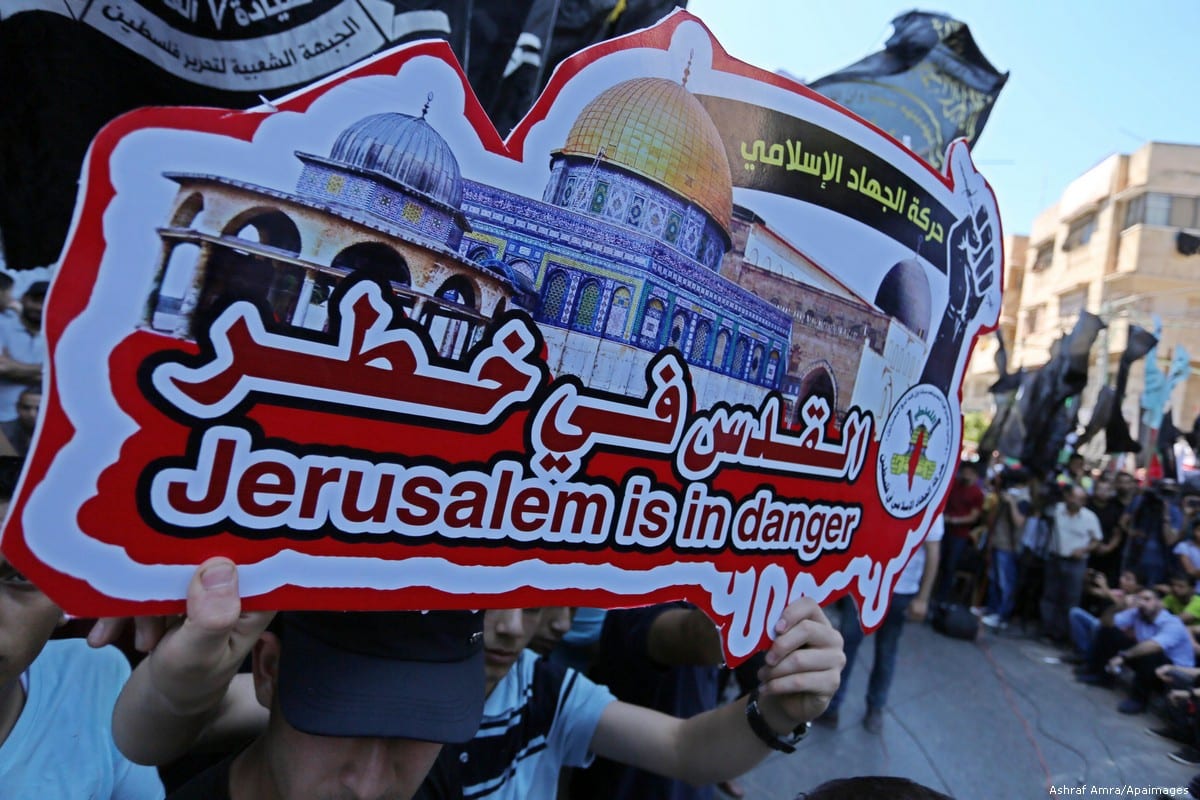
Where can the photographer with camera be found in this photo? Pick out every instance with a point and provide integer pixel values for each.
(1153, 521)
(1013, 507)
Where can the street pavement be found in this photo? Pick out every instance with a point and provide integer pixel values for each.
(1000, 718)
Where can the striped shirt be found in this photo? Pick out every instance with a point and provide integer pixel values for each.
(540, 718)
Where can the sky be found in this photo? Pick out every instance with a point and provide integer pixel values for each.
(1086, 79)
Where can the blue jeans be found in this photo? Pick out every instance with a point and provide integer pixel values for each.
(887, 647)
(1083, 629)
(1002, 583)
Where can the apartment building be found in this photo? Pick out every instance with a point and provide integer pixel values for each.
(1107, 246)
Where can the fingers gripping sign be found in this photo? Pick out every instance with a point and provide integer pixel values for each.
(184, 683)
(804, 666)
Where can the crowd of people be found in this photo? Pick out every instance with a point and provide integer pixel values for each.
(1103, 566)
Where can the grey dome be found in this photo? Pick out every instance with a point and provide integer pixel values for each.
(905, 295)
(406, 149)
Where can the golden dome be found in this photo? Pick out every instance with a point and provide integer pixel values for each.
(657, 129)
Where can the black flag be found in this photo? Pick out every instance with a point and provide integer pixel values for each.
(930, 86)
(1063, 376)
(1167, 435)
(1101, 412)
(1138, 344)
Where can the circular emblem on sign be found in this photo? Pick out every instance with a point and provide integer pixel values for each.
(914, 451)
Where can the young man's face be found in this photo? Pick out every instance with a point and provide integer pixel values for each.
(27, 618)
(1125, 484)
(27, 409)
(1104, 491)
(302, 766)
(31, 310)
(506, 632)
(344, 768)
(1181, 588)
(1148, 604)
(556, 621)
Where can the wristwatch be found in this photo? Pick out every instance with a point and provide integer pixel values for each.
(784, 744)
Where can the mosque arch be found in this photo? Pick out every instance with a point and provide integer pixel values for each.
(818, 381)
(188, 210)
(771, 376)
(756, 363)
(245, 265)
(452, 317)
(652, 321)
(375, 260)
(587, 307)
(554, 295)
(698, 352)
(740, 353)
(720, 349)
(679, 328)
(618, 312)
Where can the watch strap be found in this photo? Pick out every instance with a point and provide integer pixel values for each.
(784, 744)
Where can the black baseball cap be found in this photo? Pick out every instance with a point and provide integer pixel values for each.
(400, 674)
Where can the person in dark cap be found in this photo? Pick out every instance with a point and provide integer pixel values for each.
(358, 704)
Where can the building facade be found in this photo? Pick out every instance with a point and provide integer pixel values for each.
(1108, 246)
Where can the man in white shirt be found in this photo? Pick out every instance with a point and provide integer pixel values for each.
(1076, 533)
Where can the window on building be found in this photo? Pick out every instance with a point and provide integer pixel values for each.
(720, 349)
(652, 319)
(699, 346)
(1135, 211)
(1043, 255)
(1156, 208)
(1183, 212)
(1034, 318)
(554, 296)
(1080, 232)
(618, 312)
(1070, 304)
(589, 307)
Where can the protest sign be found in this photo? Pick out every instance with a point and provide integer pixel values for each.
(690, 331)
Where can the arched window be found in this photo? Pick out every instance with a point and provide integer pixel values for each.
(721, 349)
(188, 210)
(679, 327)
(618, 313)
(738, 367)
(246, 265)
(756, 363)
(699, 348)
(589, 307)
(525, 269)
(176, 281)
(772, 368)
(450, 319)
(374, 260)
(554, 296)
(652, 321)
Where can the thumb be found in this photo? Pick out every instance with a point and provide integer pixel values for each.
(213, 602)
